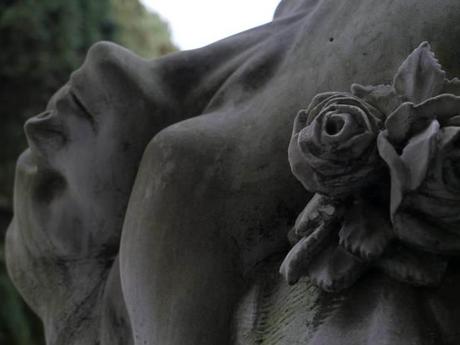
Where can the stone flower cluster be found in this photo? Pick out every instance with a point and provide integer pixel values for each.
(384, 164)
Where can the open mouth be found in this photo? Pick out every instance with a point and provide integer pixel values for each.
(41, 181)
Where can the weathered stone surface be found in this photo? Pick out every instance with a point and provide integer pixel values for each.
(214, 197)
(382, 161)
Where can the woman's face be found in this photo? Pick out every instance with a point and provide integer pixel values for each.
(74, 180)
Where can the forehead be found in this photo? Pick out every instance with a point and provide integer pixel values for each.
(112, 79)
(58, 94)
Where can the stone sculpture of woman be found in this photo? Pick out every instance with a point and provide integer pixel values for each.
(154, 203)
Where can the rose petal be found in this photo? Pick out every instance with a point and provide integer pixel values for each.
(450, 136)
(326, 168)
(447, 167)
(420, 76)
(332, 156)
(453, 121)
(318, 156)
(318, 103)
(435, 204)
(310, 137)
(357, 146)
(413, 267)
(358, 156)
(444, 181)
(452, 86)
(417, 231)
(443, 107)
(357, 116)
(406, 121)
(345, 183)
(300, 121)
(328, 160)
(451, 179)
(418, 153)
(409, 119)
(300, 167)
(320, 148)
(399, 122)
(342, 157)
(383, 97)
(292, 237)
(349, 126)
(365, 232)
(323, 165)
(373, 114)
(398, 171)
(295, 264)
(334, 269)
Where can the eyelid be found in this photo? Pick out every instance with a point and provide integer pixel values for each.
(80, 105)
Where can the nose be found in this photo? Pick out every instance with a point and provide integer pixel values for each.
(45, 133)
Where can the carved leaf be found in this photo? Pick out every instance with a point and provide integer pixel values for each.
(399, 123)
(442, 107)
(334, 269)
(295, 264)
(366, 230)
(405, 121)
(408, 119)
(452, 86)
(320, 210)
(413, 267)
(420, 76)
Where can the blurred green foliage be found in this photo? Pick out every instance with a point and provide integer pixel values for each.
(41, 43)
(136, 34)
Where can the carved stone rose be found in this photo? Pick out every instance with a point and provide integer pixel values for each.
(351, 223)
(332, 150)
(422, 149)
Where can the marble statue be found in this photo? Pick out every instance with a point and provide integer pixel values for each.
(156, 204)
(356, 216)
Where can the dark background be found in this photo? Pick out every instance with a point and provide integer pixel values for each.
(41, 43)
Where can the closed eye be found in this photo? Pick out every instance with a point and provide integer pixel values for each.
(82, 108)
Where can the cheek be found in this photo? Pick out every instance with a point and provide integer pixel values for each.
(93, 210)
(48, 224)
(80, 149)
(65, 225)
(48, 215)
